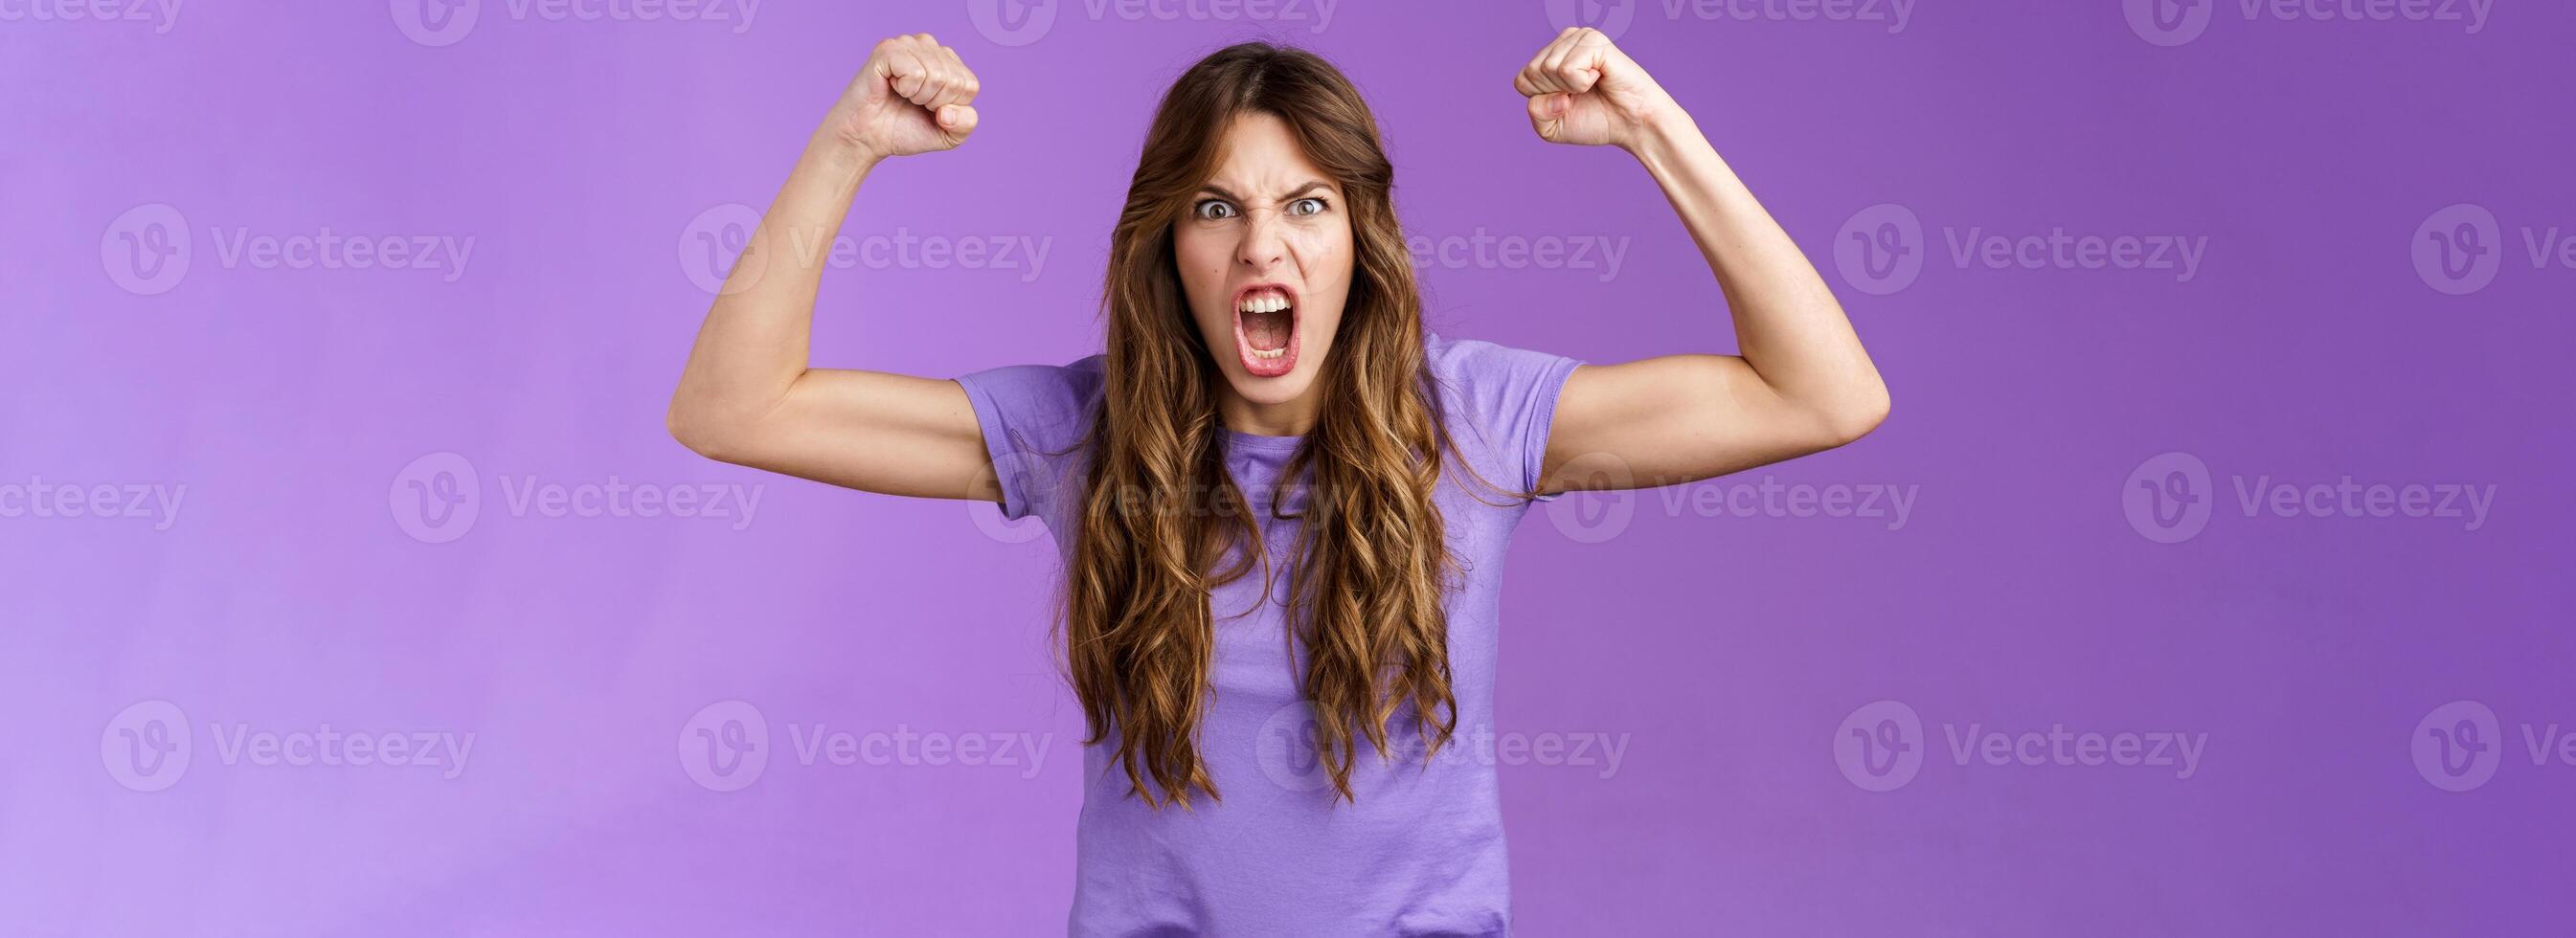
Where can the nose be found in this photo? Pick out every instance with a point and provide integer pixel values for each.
(1263, 246)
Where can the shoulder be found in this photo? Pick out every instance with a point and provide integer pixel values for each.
(1036, 421)
(1492, 380)
(1500, 398)
(1051, 401)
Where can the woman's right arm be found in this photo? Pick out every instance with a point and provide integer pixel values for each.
(748, 396)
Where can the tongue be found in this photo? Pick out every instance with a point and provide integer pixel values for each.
(1267, 331)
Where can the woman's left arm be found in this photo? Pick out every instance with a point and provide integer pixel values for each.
(1802, 383)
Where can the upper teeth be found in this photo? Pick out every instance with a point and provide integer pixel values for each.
(1262, 303)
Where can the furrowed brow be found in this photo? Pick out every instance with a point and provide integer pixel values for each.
(1293, 194)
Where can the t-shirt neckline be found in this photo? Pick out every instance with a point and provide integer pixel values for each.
(1258, 441)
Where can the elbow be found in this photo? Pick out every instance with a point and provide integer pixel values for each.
(701, 432)
(1849, 420)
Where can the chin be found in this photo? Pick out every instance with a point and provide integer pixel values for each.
(1267, 391)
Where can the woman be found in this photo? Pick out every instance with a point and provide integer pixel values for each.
(1283, 505)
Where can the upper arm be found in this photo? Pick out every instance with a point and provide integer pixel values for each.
(868, 430)
(1674, 419)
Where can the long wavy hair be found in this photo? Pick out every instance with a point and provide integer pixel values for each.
(1161, 513)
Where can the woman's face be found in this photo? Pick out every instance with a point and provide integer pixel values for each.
(1265, 258)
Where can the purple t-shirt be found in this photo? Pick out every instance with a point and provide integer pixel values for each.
(1421, 852)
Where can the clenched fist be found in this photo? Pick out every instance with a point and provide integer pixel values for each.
(1583, 90)
(913, 96)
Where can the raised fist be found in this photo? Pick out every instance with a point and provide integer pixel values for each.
(1583, 90)
(913, 96)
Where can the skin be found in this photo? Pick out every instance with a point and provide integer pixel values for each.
(1801, 383)
(1268, 216)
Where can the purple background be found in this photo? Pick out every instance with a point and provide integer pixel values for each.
(297, 585)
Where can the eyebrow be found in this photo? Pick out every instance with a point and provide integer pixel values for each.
(1293, 194)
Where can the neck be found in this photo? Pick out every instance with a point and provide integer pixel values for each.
(1244, 415)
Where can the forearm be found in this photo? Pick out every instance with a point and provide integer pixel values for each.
(1788, 327)
(754, 343)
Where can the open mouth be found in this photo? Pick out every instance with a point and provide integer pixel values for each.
(1265, 329)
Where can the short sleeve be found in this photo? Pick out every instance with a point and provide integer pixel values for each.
(1035, 420)
(1505, 397)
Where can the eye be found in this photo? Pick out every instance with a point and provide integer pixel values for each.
(1307, 206)
(1212, 209)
